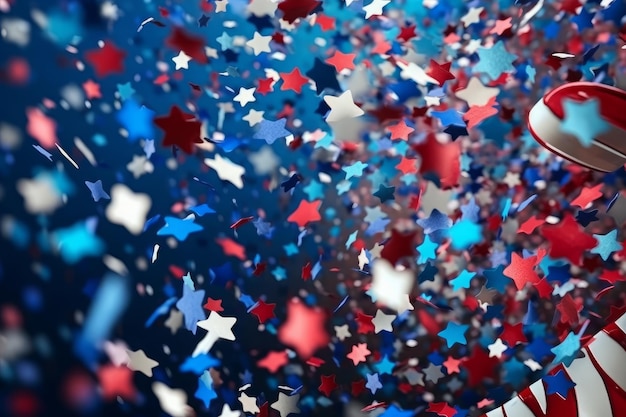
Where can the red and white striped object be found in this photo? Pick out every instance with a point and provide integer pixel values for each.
(600, 378)
(608, 150)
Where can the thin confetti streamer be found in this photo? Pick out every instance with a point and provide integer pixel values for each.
(526, 202)
(612, 202)
(341, 304)
(85, 151)
(69, 158)
(44, 152)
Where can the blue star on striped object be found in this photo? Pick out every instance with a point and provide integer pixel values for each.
(559, 384)
(582, 119)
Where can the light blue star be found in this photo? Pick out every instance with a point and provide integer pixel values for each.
(462, 280)
(343, 187)
(449, 117)
(470, 211)
(464, 234)
(136, 119)
(279, 273)
(188, 281)
(408, 179)
(270, 131)
(179, 228)
(148, 147)
(202, 209)
(454, 333)
(385, 366)
(324, 142)
(531, 72)
(125, 91)
(97, 192)
(351, 239)
(377, 226)
(466, 160)
(607, 244)
(225, 41)
(205, 391)
(373, 383)
(495, 60)
(263, 228)
(354, 170)
(582, 119)
(78, 241)
(291, 249)
(427, 250)
(373, 214)
(567, 350)
(191, 307)
(314, 190)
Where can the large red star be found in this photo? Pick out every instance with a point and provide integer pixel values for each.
(296, 9)
(480, 366)
(106, 60)
(181, 129)
(304, 329)
(293, 80)
(116, 381)
(521, 270)
(398, 246)
(568, 240)
(306, 212)
(193, 46)
(440, 159)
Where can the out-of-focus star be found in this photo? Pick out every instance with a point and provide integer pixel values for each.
(375, 8)
(227, 170)
(138, 361)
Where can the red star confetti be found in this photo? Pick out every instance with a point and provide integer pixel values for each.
(273, 361)
(568, 240)
(341, 61)
(522, 270)
(181, 129)
(304, 329)
(305, 213)
(107, 60)
(328, 385)
(263, 311)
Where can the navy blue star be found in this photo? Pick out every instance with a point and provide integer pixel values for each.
(385, 193)
(291, 182)
(494, 311)
(583, 19)
(324, 75)
(558, 273)
(222, 274)
(428, 273)
(203, 20)
(559, 384)
(496, 279)
(261, 22)
(589, 53)
(455, 131)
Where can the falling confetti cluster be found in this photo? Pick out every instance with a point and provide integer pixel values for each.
(299, 207)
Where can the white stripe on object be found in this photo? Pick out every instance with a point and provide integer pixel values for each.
(621, 323)
(547, 126)
(516, 408)
(611, 357)
(539, 392)
(591, 395)
(496, 413)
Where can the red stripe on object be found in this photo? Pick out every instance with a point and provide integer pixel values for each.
(555, 405)
(617, 334)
